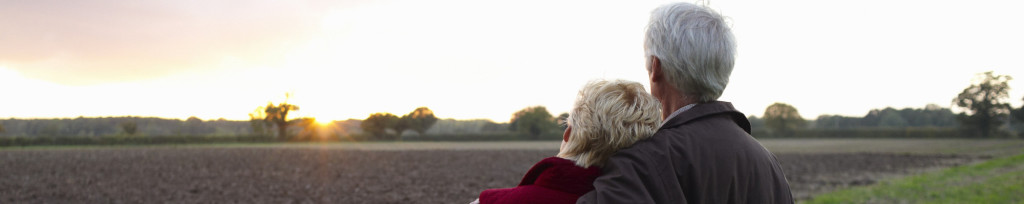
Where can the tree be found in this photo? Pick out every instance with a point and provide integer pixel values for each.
(936, 116)
(194, 126)
(491, 126)
(378, 123)
(533, 121)
(930, 116)
(420, 120)
(755, 122)
(783, 119)
(278, 115)
(835, 122)
(892, 119)
(985, 103)
(129, 127)
(2, 128)
(258, 122)
(872, 118)
(402, 124)
(310, 130)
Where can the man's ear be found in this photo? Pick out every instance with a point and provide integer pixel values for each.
(655, 73)
(565, 136)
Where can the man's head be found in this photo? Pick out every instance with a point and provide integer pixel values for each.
(608, 116)
(690, 49)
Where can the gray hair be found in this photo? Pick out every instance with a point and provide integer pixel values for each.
(609, 116)
(695, 47)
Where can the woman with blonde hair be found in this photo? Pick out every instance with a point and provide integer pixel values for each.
(606, 117)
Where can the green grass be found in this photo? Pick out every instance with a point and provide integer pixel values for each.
(999, 180)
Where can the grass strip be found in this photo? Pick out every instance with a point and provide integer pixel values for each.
(999, 180)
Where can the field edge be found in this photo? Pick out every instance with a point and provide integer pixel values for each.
(998, 180)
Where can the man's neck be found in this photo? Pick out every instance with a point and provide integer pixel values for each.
(671, 104)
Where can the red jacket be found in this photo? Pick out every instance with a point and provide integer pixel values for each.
(552, 180)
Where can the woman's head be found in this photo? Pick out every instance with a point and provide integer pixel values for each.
(608, 116)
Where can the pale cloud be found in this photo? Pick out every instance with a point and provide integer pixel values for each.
(91, 42)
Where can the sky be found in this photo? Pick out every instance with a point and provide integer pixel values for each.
(467, 59)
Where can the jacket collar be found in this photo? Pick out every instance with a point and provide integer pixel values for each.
(703, 110)
(563, 175)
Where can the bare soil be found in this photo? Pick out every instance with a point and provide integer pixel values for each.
(333, 175)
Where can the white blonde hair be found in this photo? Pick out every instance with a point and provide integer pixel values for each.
(609, 116)
(695, 47)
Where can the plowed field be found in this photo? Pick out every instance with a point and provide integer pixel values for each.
(312, 174)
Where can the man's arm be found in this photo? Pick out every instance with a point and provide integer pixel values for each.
(625, 178)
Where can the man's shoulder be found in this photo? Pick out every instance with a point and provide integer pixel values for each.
(676, 141)
(649, 148)
(701, 113)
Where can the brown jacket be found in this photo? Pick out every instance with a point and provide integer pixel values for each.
(704, 155)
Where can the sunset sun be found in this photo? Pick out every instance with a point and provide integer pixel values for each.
(323, 122)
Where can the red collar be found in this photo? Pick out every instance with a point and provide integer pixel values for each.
(562, 175)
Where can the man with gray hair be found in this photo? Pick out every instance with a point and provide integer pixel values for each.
(703, 151)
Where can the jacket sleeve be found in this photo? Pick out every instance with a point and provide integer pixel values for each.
(625, 179)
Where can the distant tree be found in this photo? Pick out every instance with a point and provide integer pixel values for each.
(892, 119)
(783, 119)
(2, 128)
(491, 126)
(258, 122)
(378, 123)
(934, 115)
(310, 129)
(930, 116)
(985, 103)
(50, 129)
(403, 124)
(129, 127)
(755, 122)
(278, 115)
(837, 122)
(194, 126)
(420, 120)
(533, 121)
(872, 118)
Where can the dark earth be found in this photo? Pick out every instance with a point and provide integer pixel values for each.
(312, 175)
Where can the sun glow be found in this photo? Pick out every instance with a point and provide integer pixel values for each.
(323, 122)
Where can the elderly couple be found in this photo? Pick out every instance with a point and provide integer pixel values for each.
(674, 145)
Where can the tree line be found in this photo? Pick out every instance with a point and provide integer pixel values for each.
(273, 121)
(984, 106)
(529, 123)
(377, 125)
(120, 126)
(533, 123)
(986, 112)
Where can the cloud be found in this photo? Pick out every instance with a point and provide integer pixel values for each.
(90, 42)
